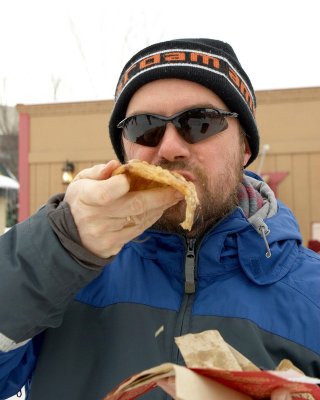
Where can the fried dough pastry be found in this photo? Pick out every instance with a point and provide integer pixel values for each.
(143, 175)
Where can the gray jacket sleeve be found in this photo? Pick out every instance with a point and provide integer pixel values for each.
(38, 278)
(62, 222)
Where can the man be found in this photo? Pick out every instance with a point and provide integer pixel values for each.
(90, 278)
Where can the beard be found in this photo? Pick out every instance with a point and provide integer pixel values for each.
(218, 196)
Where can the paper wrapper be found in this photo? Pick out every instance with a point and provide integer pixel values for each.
(209, 350)
(215, 370)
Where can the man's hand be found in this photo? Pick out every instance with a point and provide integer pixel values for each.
(107, 215)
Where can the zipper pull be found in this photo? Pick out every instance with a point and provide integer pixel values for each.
(264, 231)
(189, 268)
(262, 228)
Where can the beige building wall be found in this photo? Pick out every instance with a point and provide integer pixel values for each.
(289, 122)
(59, 132)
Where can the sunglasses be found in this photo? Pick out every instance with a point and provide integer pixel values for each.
(192, 125)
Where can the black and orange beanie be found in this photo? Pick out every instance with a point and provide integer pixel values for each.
(211, 63)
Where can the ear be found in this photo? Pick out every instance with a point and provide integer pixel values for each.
(247, 152)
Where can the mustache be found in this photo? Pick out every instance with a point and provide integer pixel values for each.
(173, 164)
(179, 164)
(185, 165)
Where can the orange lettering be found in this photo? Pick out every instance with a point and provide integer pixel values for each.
(119, 89)
(205, 59)
(175, 56)
(234, 77)
(155, 59)
(244, 90)
(126, 75)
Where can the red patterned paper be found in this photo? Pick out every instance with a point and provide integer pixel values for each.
(256, 384)
(132, 393)
(260, 384)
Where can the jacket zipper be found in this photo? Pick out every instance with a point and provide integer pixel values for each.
(183, 320)
(189, 267)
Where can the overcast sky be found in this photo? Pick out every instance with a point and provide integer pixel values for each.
(73, 50)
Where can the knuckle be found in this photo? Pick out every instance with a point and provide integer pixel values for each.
(97, 169)
(138, 205)
(103, 197)
(82, 174)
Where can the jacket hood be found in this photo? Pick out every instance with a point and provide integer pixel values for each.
(283, 240)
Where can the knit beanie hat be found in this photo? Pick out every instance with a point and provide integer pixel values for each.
(211, 63)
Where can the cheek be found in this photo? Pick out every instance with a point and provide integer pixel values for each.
(217, 157)
(211, 158)
(135, 151)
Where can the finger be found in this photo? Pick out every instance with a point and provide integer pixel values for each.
(106, 172)
(142, 202)
(138, 222)
(117, 224)
(131, 231)
(99, 171)
(90, 173)
(114, 242)
(104, 192)
(109, 235)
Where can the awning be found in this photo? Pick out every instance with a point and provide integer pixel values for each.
(8, 183)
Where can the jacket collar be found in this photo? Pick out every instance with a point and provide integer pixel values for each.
(234, 243)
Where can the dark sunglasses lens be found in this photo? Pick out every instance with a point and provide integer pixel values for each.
(193, 125)
(197, 125)
(145, 130)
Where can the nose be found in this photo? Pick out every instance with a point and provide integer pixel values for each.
(173, 146)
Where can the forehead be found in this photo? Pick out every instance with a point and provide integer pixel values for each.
(168, 96)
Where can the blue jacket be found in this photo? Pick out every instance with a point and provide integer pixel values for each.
(83, 331)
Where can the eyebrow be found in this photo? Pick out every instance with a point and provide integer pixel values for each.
(199, 105)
